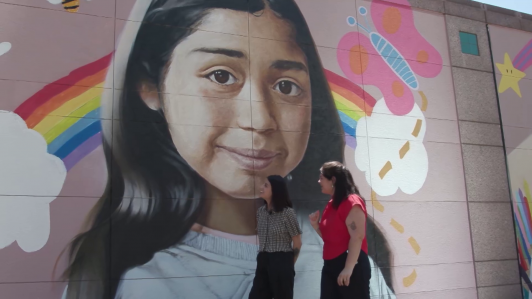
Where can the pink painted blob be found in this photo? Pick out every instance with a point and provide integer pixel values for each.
(363, 65)
(394, 20)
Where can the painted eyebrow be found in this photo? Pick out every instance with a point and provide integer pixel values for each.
(221, 51)
(286, 65)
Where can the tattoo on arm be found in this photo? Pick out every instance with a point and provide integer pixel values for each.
(352, 225)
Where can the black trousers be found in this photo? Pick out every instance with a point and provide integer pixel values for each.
(358, 285)
(274, 277)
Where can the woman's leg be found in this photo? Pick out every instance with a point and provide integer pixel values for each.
(329, 277)
(261, 283)
(281, 274)
(328, 285)
(359, 282)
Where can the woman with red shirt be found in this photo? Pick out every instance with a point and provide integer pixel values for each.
(346, 269)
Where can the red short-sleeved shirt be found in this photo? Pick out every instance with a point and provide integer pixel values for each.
(334, 230)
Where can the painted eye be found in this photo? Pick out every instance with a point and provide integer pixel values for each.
(288, 88)
(222, 77)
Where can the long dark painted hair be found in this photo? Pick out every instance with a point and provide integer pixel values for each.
(153, 196)
(280, 194)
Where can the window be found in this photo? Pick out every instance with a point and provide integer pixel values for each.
(469, 44)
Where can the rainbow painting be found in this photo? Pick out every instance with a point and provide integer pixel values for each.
(352, 103)
(523, 60)
(523, 225)
(67, 112)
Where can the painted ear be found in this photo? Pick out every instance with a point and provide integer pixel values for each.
(149, 94)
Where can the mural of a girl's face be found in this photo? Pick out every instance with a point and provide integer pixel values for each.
(239, 107)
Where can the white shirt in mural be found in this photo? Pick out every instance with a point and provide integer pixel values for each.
(211, 267)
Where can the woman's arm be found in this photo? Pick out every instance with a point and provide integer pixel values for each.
(314, 221)
(294, 230)
(356, 226)
(296, 244)
(317, 229)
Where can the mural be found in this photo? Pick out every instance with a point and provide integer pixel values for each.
(512, 56)
(381, 64)
(136, 144)
(4, 48)
(68, 5)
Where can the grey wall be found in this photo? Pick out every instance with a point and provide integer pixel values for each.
(489, 203)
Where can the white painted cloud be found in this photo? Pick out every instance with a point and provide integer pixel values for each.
(30, 179)
(4, 47)
(390, 150)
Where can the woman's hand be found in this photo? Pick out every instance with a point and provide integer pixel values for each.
(314, 218)
(345, 277)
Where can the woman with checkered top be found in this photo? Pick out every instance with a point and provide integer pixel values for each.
(279, 243)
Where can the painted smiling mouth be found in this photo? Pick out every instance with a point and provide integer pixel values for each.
(250, 159)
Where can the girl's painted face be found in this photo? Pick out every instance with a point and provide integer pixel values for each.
(238, 107)
(326, 185)
(265, 191)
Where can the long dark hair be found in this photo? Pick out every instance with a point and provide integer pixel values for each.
(153, 196)
(344, 184)
(280, 195)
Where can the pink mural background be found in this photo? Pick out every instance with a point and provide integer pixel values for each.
(47, 43)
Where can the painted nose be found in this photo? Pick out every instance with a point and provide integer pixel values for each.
(262, 119)
(262, 116)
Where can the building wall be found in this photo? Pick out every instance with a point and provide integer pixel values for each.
(510, 56)
(115, 128)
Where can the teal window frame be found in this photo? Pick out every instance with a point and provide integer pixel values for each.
(469, 43)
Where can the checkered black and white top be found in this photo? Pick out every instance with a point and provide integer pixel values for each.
(276, 229)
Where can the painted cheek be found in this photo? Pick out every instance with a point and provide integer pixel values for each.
(196, 146)
(296, 144)
(181, 78)
(221, 112)
(293, 118)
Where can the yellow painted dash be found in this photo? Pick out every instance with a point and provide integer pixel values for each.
(398, 227)
(424, 101)
(404, 150)
(387, 167)
(410, 279)
(376, 204)
(417, 128)
(414, 244)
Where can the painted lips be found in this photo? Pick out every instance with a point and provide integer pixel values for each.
(250, 159)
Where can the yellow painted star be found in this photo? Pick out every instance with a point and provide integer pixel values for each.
(510, 76)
